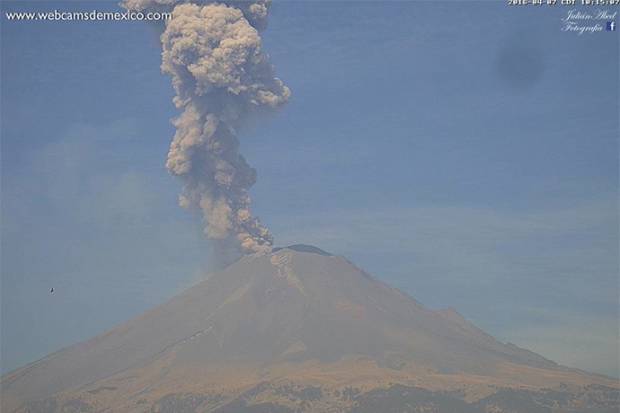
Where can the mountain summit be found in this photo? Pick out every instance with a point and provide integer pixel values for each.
(299, 330)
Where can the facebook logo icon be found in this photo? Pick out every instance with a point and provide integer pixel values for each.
(611, 26)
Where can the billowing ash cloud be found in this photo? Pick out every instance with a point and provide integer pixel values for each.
(254, 11)
(213, 53)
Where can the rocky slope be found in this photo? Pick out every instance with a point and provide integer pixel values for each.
(300, 330)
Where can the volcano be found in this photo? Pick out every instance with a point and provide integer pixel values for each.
(300, 330)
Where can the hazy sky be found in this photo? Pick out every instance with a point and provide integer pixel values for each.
(464, 152)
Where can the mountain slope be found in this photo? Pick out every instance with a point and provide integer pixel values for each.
(297, 318)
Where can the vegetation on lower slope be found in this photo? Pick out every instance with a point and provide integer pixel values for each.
(272, 398)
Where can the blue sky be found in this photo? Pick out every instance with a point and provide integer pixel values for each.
(465, 152)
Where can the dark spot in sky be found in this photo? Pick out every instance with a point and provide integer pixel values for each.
(520, 65)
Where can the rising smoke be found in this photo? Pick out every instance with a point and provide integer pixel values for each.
(213, 53)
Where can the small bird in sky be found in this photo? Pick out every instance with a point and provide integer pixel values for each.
(52, 290)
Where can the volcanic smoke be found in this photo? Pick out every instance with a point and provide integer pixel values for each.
(220, 75)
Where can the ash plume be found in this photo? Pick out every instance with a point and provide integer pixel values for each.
(213, 53)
